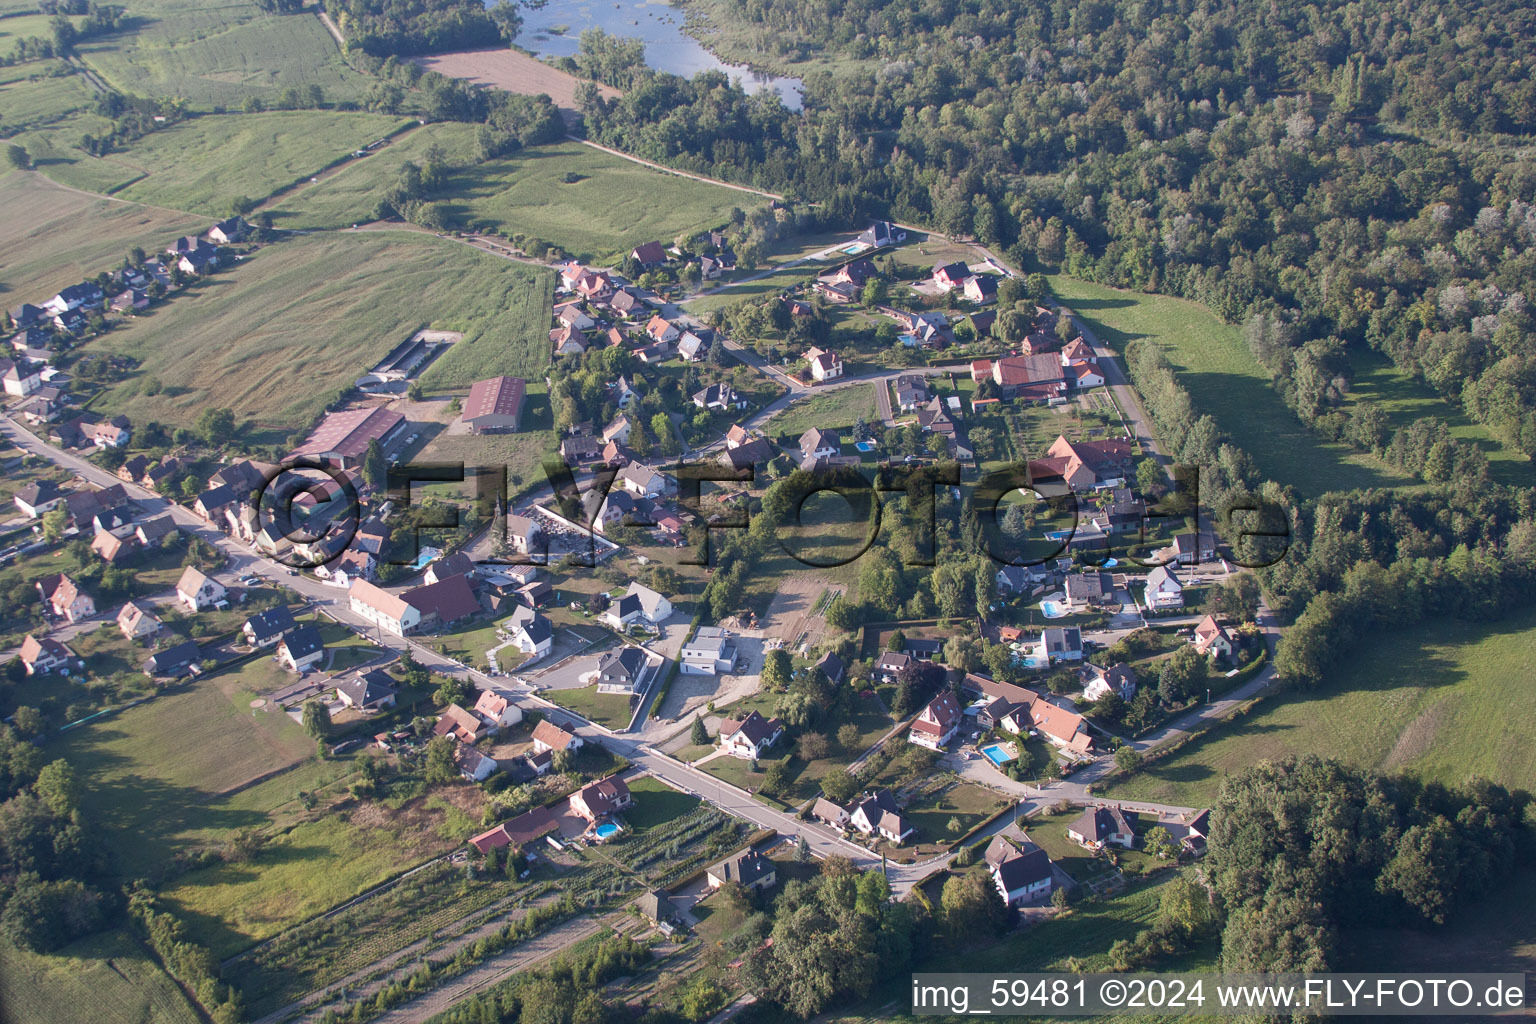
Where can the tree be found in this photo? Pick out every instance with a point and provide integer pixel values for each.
(216, 426)
(451, 690)
(42, 916)
(439, 760)
(1060, 898)
(1151, 481)
(58, 787)
(17, 157)
(971, 906)
(839, 785)
(316, 718)
(1181, 676)
(776, 778)
(1128, 759)
(896, 642)
(1159, 841)
(814, 746)
(700, 735)
(375, 469)
(55, 522)
(848, 737)
(1236, 598)
(777, 669)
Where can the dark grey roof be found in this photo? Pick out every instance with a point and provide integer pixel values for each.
(746, 867)
(368, 688)
(270, 622)
(303, 642)
(174, 659)
(622, 666)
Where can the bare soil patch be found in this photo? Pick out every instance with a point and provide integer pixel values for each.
(514, 72)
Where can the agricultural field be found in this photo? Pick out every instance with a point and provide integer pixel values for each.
(213, 56)
(52, 237)
(1225, 380)
(286, 336)
(612, 205)
(33, 101)
(1446, 703)
(107, 978)
(840, 408)
(203, 163)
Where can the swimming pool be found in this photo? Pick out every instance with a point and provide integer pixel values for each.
(607, 830)
(998, 753)
(425, 557)
(866, 446)
(1053, 608)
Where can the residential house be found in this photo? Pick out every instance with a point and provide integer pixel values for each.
(495, 405)
(651, 254)
(153, 532)
(1059, 643)
(443, 603)
(911, 392)
(980, 288)
(748, 737)
(115, 545)
(568, 341)
(38, 497)
(656, 907)
(367, 691)
(824, 365)
(1021, 579)
(718, 396)
(643, 481)
(832, 668)
(572, 315)
(1022, 871)
(580, 450)
(26, 315)
(625, 302)
(530, 631)
(709, 651)
(266, 628)
(937, 723)
(639, 602)
(619, 671)
(1194, 548)
(137, 621)
(950, 276)
(1084, 375)
(692, 347)
(1163, 589)
(658, 328)
(473, 765)
(876, 813)
(210, 504)
(20, 378)
(890, 665)
(598, 800)
(301, 650)
(84, 295)
(1036, 377)
(1190, 830)
(1077, 351)
(129, 300)
(1088, 590)
(462, 725)
(47, 657)
(618, 430)
(547, 736)
(1213, 637)
(1082, 465)
(750, 455)
(749, 869)
(1119, 679)
(64, 598)
(199, 261)
(181, 660)
(820, 443)
(828, 813)
(1099, 827)
(456, 564)
(922, 648)
(882, 233)
(385, 610)
(1017, 708)
(197, 590)
(519, 832)
(496, 711)
(226, 231)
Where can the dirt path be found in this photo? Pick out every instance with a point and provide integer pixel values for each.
(684, 174)
(330, 26)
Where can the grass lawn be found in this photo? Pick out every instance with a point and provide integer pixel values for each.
(1404, 400)
(614, 205)
(220, 54)
(611, 710)
(276, 336)
(203, 163)
(1495, 934)
(41, 100)
(656, 803)
(51, 238)
(840, 408)
(106, 978)
(1446, 702)
(964, 802)
(1225, 380)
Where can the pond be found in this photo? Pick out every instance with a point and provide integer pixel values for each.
(554, 30)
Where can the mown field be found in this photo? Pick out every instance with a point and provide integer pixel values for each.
(51, 237)
(275, 336)
(106, 979)
(203, 163)
(217, 55)
(1214, 364)
(1446, 703)
(841, 408)
(613, 206)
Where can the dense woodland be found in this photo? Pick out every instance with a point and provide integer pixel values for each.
(1338, 176)
(383, 28)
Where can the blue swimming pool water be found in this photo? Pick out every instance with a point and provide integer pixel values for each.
(1052, 609)
(607, 829)
(866, 446)
(425, 556)
(997, 754)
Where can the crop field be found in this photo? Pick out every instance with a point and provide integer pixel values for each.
(275, 336)
(51, 237)
(106, 978)
(840, 408)
(1225, 380)
(1446, 703)
(29, 101)
(203, 163)
(612, 206)
(213, 55)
